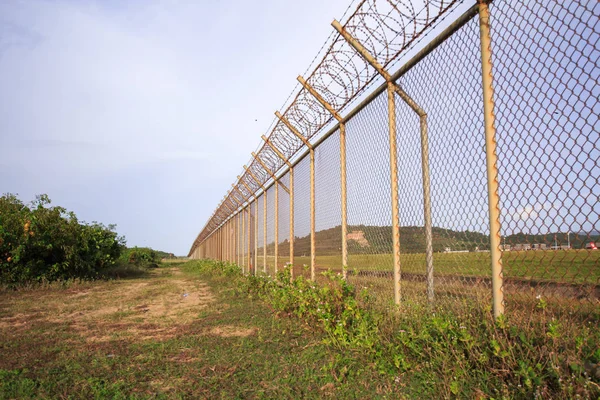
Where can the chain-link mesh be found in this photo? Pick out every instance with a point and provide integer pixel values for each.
(284, 223)
(460, 224)
(545, 73)
(261, 265)
(302, 218)
(270, 230)
(328, 236)
(369, 200)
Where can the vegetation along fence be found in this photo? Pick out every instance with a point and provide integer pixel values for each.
(441, 151)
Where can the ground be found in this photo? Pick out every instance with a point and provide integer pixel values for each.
(168, 333)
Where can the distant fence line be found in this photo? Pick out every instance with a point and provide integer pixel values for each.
(440, 150)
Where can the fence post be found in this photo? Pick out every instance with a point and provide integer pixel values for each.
(248, 240)
(243, 257)
(255, 224)
(291, 193)
(244, 199)
(342, 126)
(264, 216)
(255, 234)
(276, 182)
(491, 158)
(312, 190)
(276, 233)
(291, 222)
(264, 230)
(391, 87)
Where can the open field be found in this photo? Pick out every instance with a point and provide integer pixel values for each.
(166, 334)
(567, 266)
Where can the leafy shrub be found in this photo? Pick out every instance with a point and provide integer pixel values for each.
(140, 256)
(43, 243)
(219, 268)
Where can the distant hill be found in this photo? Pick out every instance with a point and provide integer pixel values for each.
(364, 239)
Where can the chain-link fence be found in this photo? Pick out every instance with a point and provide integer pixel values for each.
(440, 151)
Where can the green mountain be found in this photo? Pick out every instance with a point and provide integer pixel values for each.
(364, 239)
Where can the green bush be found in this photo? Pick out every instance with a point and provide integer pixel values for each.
(140, 256)
(43, 243)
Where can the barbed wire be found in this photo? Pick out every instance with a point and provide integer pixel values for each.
(386, 29)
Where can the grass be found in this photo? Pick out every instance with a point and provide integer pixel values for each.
(567, 266)
(202, 330)
(140, 338)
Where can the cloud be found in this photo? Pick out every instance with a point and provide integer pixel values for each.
(533, 211)
(116, 92)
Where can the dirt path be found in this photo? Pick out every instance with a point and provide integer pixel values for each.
(152, 307)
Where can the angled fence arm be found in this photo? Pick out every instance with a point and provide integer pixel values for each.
(255, 222)
(261, 162)
(394, 88)
(291, 193)
(312, 190)
(243, 228)
(227, 206)
(344, 196)
(264, 216)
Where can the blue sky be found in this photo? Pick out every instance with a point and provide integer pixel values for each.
(141, 113)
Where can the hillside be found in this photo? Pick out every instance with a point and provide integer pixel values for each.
(363, 239)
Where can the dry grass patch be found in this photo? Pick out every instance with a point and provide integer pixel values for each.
(232, 331)
(136, 309)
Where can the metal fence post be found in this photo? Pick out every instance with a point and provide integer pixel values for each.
(344, 194)
(291, 193)
(491, 158)
(265, 198)
(277, 183)
(291, 222)
(250, 205)
(255, 234)
(250, 270)
(264, 217)
(394, 189)
(243, 257)
(312, 190)
(391, 88)
(312, 216)
(276, 233)
(342, 126)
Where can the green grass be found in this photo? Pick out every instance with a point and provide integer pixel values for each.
(229, 346)
(567, 266)
(201, 330)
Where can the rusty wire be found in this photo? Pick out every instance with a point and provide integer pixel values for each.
(339, 78)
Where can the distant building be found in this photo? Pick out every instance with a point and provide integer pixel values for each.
(561, 247)
(505, 247)
(449, 250)
(539, 246)
(522, 247)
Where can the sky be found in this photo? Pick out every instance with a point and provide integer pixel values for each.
(141, 113)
